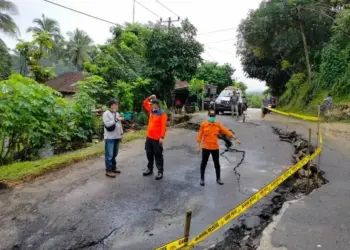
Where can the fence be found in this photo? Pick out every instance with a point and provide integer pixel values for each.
(184, 243)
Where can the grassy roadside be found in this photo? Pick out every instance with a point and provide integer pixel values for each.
(297, 103)
(22, 171)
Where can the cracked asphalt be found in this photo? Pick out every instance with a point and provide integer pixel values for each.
(79, 208)
(320, 220)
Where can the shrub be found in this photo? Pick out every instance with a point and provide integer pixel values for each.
(292, 87)
(141, 118)
(33, 116)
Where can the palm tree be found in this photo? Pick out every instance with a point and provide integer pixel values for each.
(47, 24)
(78, 47)
(58, 51)
(7, 25)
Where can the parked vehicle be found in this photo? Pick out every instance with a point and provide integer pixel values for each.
(223, 103)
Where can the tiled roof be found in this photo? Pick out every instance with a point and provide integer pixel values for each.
(181, 84)
(65, 83)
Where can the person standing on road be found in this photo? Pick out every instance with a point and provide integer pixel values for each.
(234, 103)
(157, 123)
(265, 104)
(113, 131)
(208, 133)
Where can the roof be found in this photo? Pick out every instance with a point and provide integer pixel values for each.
(181, 85)
(65, 83)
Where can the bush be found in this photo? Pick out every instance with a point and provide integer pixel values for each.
(292, 87)
(141, 118)
(33, 116)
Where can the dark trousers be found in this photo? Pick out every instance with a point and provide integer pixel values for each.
(205, 157)
(154, 151)
(111, 152)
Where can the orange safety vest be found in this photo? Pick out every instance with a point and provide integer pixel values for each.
(209, 132)
(157, 122)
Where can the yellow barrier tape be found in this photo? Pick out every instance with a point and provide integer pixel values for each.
(174, 245)
(244, 206)
(237, 211)
(304, 117)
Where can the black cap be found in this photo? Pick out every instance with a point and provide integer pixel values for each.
(155, 101)
(111, 102)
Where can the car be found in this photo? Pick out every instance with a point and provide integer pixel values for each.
(223, 103)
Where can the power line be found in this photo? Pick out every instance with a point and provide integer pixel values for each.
(82, 13)
(219, 50)
(221, 41)
(210, 55)
(146, 8)
(167, 8)
(216, 31)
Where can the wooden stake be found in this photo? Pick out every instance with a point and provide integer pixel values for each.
(309, 163)
(187, 227)
(318, 140)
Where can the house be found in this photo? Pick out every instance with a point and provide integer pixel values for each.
(65, 83)
(182, 93)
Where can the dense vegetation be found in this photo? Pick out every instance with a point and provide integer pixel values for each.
(138, 60)
(300, 48)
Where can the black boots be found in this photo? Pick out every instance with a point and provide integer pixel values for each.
(218, 174)
(159, 176)
(202, 183)
(147, 172)
(218, 181)
(150, 172)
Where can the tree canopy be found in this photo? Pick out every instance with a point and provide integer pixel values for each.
(7, 25)
(282, 37)
(213, 73)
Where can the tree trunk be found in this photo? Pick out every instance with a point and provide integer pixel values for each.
(306, 51)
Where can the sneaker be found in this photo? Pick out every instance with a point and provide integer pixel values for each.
(117, 171)
(219, 182)
(202, 183)
(147, 172)
(159, 176)
(110, 174)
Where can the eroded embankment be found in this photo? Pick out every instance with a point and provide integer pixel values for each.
(246, 234)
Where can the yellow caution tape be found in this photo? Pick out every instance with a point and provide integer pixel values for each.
(237, 211)
(304, 117)
(176, 244)
(244, 206)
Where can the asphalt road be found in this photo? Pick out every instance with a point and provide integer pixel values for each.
(79, 208)
(320, 220)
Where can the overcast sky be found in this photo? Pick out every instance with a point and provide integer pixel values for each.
(206, 15)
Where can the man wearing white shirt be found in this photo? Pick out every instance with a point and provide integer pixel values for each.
(113, 131)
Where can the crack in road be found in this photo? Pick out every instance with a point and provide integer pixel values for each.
(92, 243)
(235, 169)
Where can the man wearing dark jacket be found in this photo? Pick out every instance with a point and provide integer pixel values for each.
(157, 123)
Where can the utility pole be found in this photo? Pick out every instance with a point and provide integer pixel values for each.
(133, 11)
(169, 21)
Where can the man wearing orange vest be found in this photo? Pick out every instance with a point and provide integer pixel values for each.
(157, 123)
(208, 133)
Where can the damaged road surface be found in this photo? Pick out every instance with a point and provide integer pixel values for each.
(79, 208)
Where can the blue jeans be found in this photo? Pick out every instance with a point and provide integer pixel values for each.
(111, 152)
